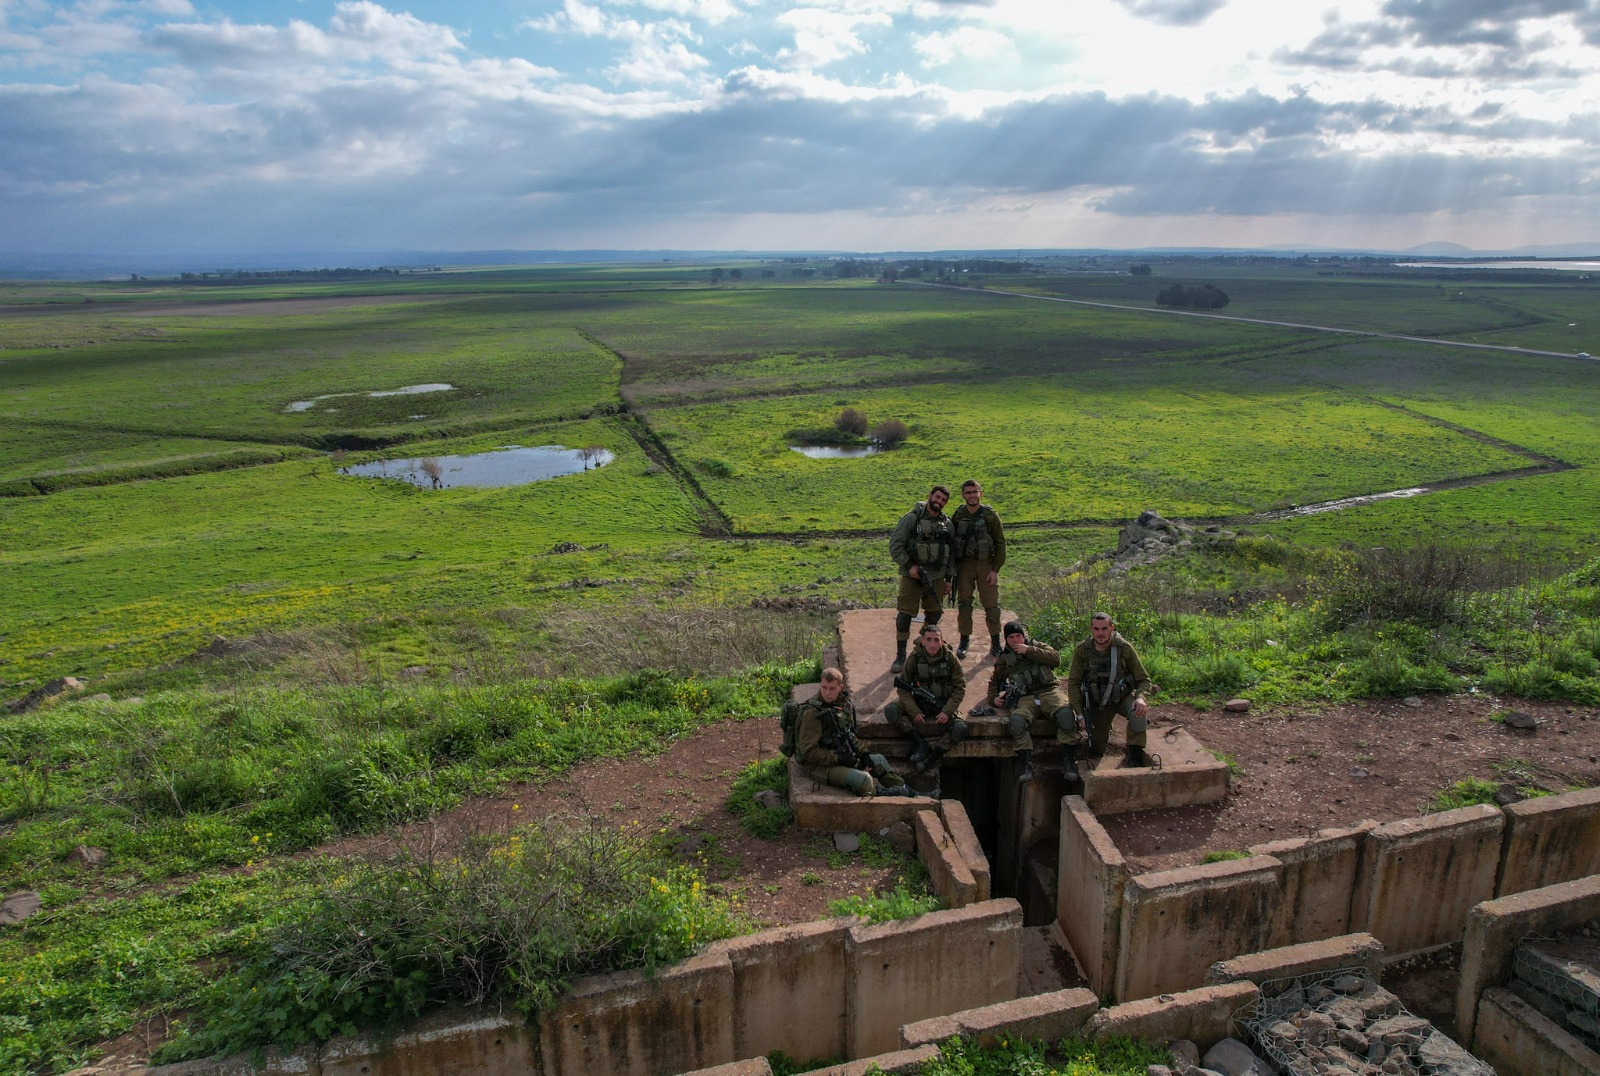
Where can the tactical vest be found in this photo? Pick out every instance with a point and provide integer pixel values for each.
(932, 673)
(930, 542)
(1033, 676)
(839, 715)
(1097, 673)
(973, 540)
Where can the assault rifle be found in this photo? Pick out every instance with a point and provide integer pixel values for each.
(1011, 693)
(929, 703)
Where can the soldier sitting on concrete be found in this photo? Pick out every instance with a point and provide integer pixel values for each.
(933, 724)
(1106, 678)
(827, 747)
(1024, 683)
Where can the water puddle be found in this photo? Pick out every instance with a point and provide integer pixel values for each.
(512, 465)
(837, 452)
(1334, 506)
(408, 390)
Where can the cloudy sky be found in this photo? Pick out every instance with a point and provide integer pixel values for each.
(185, 125)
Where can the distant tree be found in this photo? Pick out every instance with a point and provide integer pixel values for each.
(1140, 270)
(434, 470)
(590, 453)
(890, 274)
(736, 274)
(1199, 297)
(768, 273)
(716, 276)
(891, 431)
(851, 421)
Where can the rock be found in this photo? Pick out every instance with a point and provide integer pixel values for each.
(87, 856)
(1233, 1058)
(1185, 1054)
(412, 672)
(770, 798)
(1523, 722)
(101, 697)
(1349, 984)
(902, 839)
(1411, 701)
(1400, 1030)
(1506, 794)
(1157, 1070)
(1237, 706)
(1348, 1015)
(61, 685)
(846, 842)
(18, 906)
(690, 846)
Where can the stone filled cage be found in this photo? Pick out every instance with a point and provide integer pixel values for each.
(1561, 984)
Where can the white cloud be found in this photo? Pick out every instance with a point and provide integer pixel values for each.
(967, 43)
(822, 37)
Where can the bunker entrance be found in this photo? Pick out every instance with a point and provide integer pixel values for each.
(1017, 826)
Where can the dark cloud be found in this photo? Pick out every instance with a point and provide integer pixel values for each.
(1174, 12)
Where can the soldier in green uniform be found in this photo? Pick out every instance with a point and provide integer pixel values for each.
(922, 546)
(1024, 683)
(826, 746)
(1107, 678)
(980, 554)
(933, 667)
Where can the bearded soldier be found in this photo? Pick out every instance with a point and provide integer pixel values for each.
(826, 745)
(1106, 678)
(980, 554)
(1024, 682)
(922, 545)
(933, 724)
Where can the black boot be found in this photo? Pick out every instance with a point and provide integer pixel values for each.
(934, 755)
(919, 753)
(994, 646)
(1136, 756)
(899, 661)
(1025, 774)
(1069, 768)
(961, 651)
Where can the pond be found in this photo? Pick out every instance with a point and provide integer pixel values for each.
(408, 390)
(512, 465)
(837, 452)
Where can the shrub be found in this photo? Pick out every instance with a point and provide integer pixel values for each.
(852, 422)
(901, 902)
(1466, 792)
(891, 431)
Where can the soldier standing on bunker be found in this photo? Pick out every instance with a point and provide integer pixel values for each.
(1024, 683)
(980, 553)
(1106, 678)
(934, 668)
(827, 748)
(923, 546)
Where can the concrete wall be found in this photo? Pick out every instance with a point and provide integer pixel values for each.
(1550, 839)
(947, 869)
(1318, 879)
(1518, 1040)
(789, 989)
(1090, 879)
(943, 962)
(1048, 1017)
(1202, 1016)
(1177, 923)
(452, 1041)
(1420, 876)
(959, 826)
(1331, 954)
(1495, 927)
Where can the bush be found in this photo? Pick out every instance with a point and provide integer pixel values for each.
(852, 422)
(1467, 792)
(1426, 585)
(891, 431)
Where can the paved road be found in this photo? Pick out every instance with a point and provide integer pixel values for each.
(1268, 321)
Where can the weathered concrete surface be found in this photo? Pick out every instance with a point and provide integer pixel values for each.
(1177, 923)
(959, 826)
(897, 1063)
(755, 1066)
(453, 1041)
(1420, 877)
(789, 989)
(1202, 1016)
(835, 810)
(1495, 927)
(1518, 1040)
(275, 1063)
(1550, 839)
(1048, 1017)
(866, 647)
(901, 972)
(1318, 877)
(1091, 876)
(1189, 774)
(947, 870)
(629, 1024)
(1350, 951)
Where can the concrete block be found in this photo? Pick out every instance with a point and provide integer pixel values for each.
(959, 826)
(1090, 878)
(1350, 951)
(1189, 774)
(755, 1066)
(1177, 923)
(1496, 926)
(834, 810)
(1518, 1040)
(789, 986)
(1422, 875)
(898, 973)
(947, 871)
(1202, 1016)
(1318, 878)
(275, 1063)
(453, 1041)
(929, 1032)
(897, 1063)
(630, 1024)
(1550, 839)
(1049, 1017)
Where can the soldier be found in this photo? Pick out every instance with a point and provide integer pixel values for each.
(1024, 682)
(826, 746)
(1107, 678)
(980, 554)
(922, 545)
(934, 669)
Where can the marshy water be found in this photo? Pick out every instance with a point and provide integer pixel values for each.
(512, 465)
(837, 452)
(408, 390)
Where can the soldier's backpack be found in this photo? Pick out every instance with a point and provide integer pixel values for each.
(789, 723)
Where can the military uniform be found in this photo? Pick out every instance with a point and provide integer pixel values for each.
(826, 758)
(940, 674)
(980, 544)
(1099, 696)
(1034, 670)
(926, 540)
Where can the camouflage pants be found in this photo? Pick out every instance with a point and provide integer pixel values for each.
(974, 574)
(952, 734)
(912, 597)
(1099, 722)
(858, 781)
(1052, 702)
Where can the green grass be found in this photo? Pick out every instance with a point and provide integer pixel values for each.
(1069, 1057)
(757, 820)
(1467, 792)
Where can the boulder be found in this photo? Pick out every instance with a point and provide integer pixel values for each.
(18, 906)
